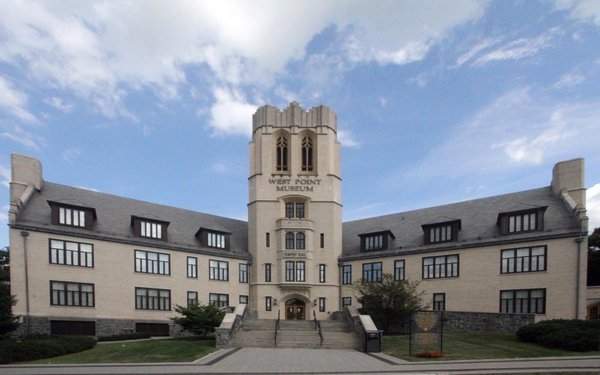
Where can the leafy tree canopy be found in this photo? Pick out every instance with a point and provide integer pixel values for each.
(199, 319)
(593, 276)
(8, 322)
(390, 303)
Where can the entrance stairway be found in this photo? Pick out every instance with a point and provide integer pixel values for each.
(296, 334)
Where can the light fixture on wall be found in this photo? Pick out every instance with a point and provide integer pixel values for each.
(315, 302)
(274, 301)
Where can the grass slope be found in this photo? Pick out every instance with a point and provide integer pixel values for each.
(167, 350)
(458, 346)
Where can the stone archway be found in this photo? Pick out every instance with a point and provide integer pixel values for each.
(295, 309)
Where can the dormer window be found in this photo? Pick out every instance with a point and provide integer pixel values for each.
(441, 232)
(213, 238)
(522, 221)
(73, 216)
(149, 228)
(376, 241)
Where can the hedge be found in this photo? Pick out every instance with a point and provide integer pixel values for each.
(41, 346)
(575, 335)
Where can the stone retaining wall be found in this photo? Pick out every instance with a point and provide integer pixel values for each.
(458, 321)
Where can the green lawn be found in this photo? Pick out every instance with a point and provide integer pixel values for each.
(459, 346)
(166, 350)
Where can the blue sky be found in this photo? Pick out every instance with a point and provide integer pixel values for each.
(437, 101)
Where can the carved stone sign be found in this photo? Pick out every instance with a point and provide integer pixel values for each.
(426, 332)
(295, 184)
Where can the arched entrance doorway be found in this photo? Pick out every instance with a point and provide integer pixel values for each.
(295, 309)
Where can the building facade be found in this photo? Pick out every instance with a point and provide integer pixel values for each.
(95, 263)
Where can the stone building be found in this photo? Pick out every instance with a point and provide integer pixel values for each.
(95, 263)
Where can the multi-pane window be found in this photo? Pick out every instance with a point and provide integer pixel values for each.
(440, 233)
(440, 267)
(307, 154)
(373, 242)
(267, 272)
(268, 303)
(347, 274)
(192, 298)
(152, 299)
(215, 240)
(151, 262)
(192, 267)
(522, 222)
(219, 300)
(290, 240)
(295, 240)
(532, 301)
(322, 304)
(398, 270)
(281, 154)
(346, 301)
(294, 210)
(527, 259)
(243, 272)
(300, 241)
(151, 229)
(372, 272)
(295, 271)
(71, 253)
(439, 301)
(71, 216)
(218, 270)
(322, 276)
(64, 293)
(243, 300)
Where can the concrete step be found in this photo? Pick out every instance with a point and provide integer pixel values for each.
(335, 326)
(296, 325)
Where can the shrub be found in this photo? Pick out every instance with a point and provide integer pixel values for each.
(125, 336)
(41, 346)
(576, 335)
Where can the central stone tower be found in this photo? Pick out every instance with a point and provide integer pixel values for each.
(294, 212)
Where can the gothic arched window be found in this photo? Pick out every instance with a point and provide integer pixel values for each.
(282, 154)
(289, 240)
(307, 154)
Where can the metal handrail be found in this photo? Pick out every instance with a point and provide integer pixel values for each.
(277, 327)
(318, 327)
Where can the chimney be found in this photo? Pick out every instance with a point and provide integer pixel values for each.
(26, 177)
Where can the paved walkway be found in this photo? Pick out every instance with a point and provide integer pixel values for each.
(315, 361)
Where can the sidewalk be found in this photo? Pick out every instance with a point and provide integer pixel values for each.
(317, 361)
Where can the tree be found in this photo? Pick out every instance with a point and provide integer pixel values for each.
(199, 319)
(593, 275)
(390, 303)
(8, 322)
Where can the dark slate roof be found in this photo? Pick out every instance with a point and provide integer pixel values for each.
(114, 220)
(478, 224)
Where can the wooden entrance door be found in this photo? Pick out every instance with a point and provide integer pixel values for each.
(294, 309)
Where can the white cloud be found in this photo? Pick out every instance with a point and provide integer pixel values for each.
(474, 50)
(231, 113)
(518, 49)
(519, 128)
(593, 207)
(5, 175)
(220, 169)
(101, 51)
(346, 139)
(59, 104)
(568, 80)
(14, 101)
(19, 135)
(71, 155)
(586, 10)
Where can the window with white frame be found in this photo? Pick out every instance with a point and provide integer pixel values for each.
(218, 270)
(151, 262)
(440, 267)
(525, 259)
(192, 267)
(64, 293)
(71, 253)
(216, 240)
